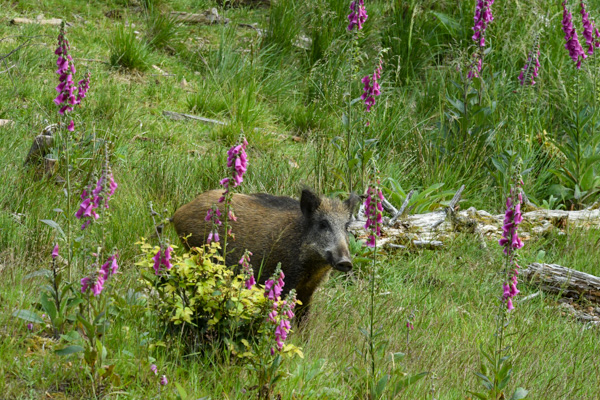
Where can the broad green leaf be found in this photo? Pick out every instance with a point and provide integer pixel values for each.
(56, 226)
(481, 396)
(404, 383)
(181, 391)
(380, 387)
(48, 306)
(519, 394)
(69, 350)
(29, 316)
(42, 272)
(71, 336)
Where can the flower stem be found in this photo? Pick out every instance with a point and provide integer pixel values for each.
(372, 315)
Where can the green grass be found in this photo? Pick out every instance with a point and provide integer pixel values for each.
(272, 91)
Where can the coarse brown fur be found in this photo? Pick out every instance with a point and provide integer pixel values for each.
(307, 237)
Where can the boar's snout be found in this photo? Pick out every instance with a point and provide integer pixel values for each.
(344, 264)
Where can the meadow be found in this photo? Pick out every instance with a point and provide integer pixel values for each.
(288, 77)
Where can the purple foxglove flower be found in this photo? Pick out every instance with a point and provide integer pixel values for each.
(250, 282)
(55, 251)
(71, 126)
(358, 15)
(509, 304)
(30, 326)
(272, 316)
(154, 369)
(572, 41)
(483, 16)
(588, 29)
(163, 380)
(531, 68)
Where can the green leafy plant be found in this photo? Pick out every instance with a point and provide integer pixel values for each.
(422, 201)
(496, 368)
(206, 302)
(57, 299)
(382, 378)
(579, 175)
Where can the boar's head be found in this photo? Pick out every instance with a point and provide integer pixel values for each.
(325, 229)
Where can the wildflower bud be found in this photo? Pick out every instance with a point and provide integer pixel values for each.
(154, 369)
(55, 251)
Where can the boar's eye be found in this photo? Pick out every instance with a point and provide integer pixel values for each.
(324, 224)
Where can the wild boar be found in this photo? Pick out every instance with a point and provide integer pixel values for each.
(308, 237)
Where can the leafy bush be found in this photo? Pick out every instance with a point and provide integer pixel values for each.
(203, 294)
(207, 297)
(127, 51)
(206, 302)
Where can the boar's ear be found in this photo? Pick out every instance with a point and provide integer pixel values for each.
(352, 202)
(309, 202)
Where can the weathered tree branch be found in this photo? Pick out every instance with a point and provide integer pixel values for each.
(566, 282)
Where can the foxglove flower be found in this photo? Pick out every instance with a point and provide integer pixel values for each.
(237, 162)
(274, 285)
(30, 326)
(162, 260)
(110, 267)
(374, 210)
(101, 193)
(247, 270)
(154, 369)
(283, 325)
(531, 68)
(66, 98)
(511, 242)
(163, 380)
(371, 87)
(95, 282)
(483, 16)
(572, 41)
(358, 15)
(55, 252)
(213, 215)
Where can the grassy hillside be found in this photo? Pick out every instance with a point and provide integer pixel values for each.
(285, 83)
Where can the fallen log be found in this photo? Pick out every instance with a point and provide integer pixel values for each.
(563, 281)
(208, 17)
(247, 3)
(22, 21)
(444, 224)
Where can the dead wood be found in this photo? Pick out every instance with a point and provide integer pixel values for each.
(180, 116)
(22, 21)
(444, 224)
(246, 3)
(563, 281)
(208, 17)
